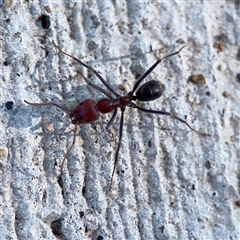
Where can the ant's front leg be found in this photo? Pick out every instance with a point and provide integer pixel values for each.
(110, 123)
(118, 146)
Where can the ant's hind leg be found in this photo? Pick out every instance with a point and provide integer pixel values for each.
(183, 121)
(170, 115)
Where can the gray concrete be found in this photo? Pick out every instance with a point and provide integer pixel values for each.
(170, 182)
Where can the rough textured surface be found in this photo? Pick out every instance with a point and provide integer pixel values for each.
(170, 183)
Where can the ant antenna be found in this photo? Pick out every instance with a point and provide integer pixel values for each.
(49, 104)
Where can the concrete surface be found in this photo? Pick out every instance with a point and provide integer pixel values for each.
(170, 182)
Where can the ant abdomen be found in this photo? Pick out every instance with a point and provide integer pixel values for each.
(150, 91)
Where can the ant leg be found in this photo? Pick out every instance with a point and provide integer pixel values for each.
(118, 147)
(110, 123)
(75, 129)
(170, 115)
(88, 67)
(95, 86)
(69, 150)
(49, 104)
(183, 121)
(151, 69)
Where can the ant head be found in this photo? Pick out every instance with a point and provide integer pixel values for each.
(85, 112)
(149, 91)
(74, 118)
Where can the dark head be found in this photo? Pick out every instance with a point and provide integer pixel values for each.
(149, 91)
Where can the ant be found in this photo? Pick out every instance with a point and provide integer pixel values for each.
(88, 111)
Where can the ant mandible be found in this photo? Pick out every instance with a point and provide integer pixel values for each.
(88, 111)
